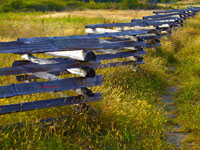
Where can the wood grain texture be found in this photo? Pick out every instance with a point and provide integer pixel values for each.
(131, 24)
(39, 47)
(171, 11)
(27, 106)
(120, 55)
(125, 63)
(31, 67)
(83, 72)
(88, 72)
(51, 86)
(164, 15)
(83, 55)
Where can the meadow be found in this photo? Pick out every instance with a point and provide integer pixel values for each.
(131, 114)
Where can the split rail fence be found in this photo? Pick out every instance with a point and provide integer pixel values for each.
(80, 55)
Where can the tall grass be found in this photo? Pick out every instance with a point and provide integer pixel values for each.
(185, 49)
(130, 116)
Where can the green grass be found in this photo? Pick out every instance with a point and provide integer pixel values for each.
(184, 51)
(131, 113)
(188, 73)
(34, 26)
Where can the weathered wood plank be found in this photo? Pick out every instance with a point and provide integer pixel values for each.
(120, 55)
(51, 86)
(82, 38)
(83, 55)
(111, 51)
(40, 61)
(100, 30)
(31, 67)
(39, 47)
(150, 35)
(157, 19)
(30, 77)
(51, 77)
(172, 11)
(174, 20)
(83, 72)
(131, 24)
(163, 16)
(194, 9)
(27, 106)
(115, 64)
(155, 43)
(89, 73)
(46, 45)
(110, 25)
(188, 12)
(129, 42)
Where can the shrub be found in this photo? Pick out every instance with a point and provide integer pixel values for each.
(14, 5)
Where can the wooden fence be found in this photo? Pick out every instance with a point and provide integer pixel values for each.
(80, 56)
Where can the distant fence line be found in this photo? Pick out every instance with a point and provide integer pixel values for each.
(81, 55)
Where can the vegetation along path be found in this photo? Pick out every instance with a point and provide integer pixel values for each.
(182, 98)
(172, 134)
(129, 116)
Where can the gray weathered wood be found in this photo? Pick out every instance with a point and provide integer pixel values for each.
(40, 61)
(42, 46)
(51, 77)
(45, 44)
(151, 31)
(51, 86)
(164, 16)
(115, 64)
(151, 36)
(30, 76)
(100, 30)
(171, 11)
(120, 55)
(31, 67)
(27, 106)
(155, 43)
(169, 19)
(83, 55)
(73, 39)
(131, 24)
(83, 72)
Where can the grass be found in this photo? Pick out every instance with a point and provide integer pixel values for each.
(131, 113)
(182, 52)
(15, 25)
(188, 71)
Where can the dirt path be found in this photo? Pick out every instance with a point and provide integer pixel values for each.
(173, 134)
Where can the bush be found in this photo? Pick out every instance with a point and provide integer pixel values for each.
(60, 5)
(130, 4)
(36, 7)
(33, 5)
(72, 5)
(55, 6)
(14, 5)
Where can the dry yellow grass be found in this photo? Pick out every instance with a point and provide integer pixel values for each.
(114, 15)
(129, 116)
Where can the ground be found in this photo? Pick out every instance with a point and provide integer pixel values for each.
(132, 113)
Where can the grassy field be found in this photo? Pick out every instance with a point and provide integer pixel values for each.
(187, 48)
(131, 114)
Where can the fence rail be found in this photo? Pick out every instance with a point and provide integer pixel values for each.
(80, 55)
